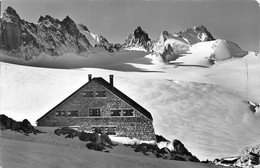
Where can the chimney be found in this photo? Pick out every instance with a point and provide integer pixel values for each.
(111, 80)
(89, 77)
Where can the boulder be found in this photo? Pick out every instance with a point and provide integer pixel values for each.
(180, 148)
(69, 132)
(179, 152)
(99, 142)
(160, 138)
(83, 136)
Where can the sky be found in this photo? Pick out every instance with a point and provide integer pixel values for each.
(234, 20)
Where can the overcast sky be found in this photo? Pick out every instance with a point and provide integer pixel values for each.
(235, 20)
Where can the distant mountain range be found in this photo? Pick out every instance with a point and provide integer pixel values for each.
(23, 39)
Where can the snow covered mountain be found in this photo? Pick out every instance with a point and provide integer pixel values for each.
(20, 38)
(186, 45)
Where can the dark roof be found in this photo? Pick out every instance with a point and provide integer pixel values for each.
(113, 90)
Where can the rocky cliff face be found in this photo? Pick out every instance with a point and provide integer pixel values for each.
(196, 34)
(10, 27)
(139, 39)
(20, 38)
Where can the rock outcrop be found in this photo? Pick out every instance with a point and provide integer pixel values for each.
(95, 141)
(249, 158)
(178, 153)
(160, 138)
(24, 126)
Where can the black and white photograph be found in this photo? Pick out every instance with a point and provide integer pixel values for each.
(129, 83)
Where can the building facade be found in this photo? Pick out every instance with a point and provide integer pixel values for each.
(99, 105)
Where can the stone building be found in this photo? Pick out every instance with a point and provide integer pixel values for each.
(99, 105)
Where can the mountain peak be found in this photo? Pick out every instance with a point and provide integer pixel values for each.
(196, 34)
(141, 34)
(11, 13)
(83, 27)
(47, 17)
(166, 33)
(67, 19)
(200, 26)
(139, 40)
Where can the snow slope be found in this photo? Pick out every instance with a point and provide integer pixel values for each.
(202, 107)
(49, 150)
(99, 59)
(206, 53)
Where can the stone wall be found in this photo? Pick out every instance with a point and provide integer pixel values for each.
(137, 126)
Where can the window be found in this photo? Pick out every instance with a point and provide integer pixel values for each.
(73, 113)
(60, 113)
(97, 129)
(128, 112)
(110, 130)
(94, 112)
(88, 93)
(115, 112)
(100, 93)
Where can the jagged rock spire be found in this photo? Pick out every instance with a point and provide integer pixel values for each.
(139, 33)
(11, 12)
(139, 39)
(10, 38)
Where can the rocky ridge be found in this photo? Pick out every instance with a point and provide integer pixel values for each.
(20, 38)
(20, 126)
(196, 34)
